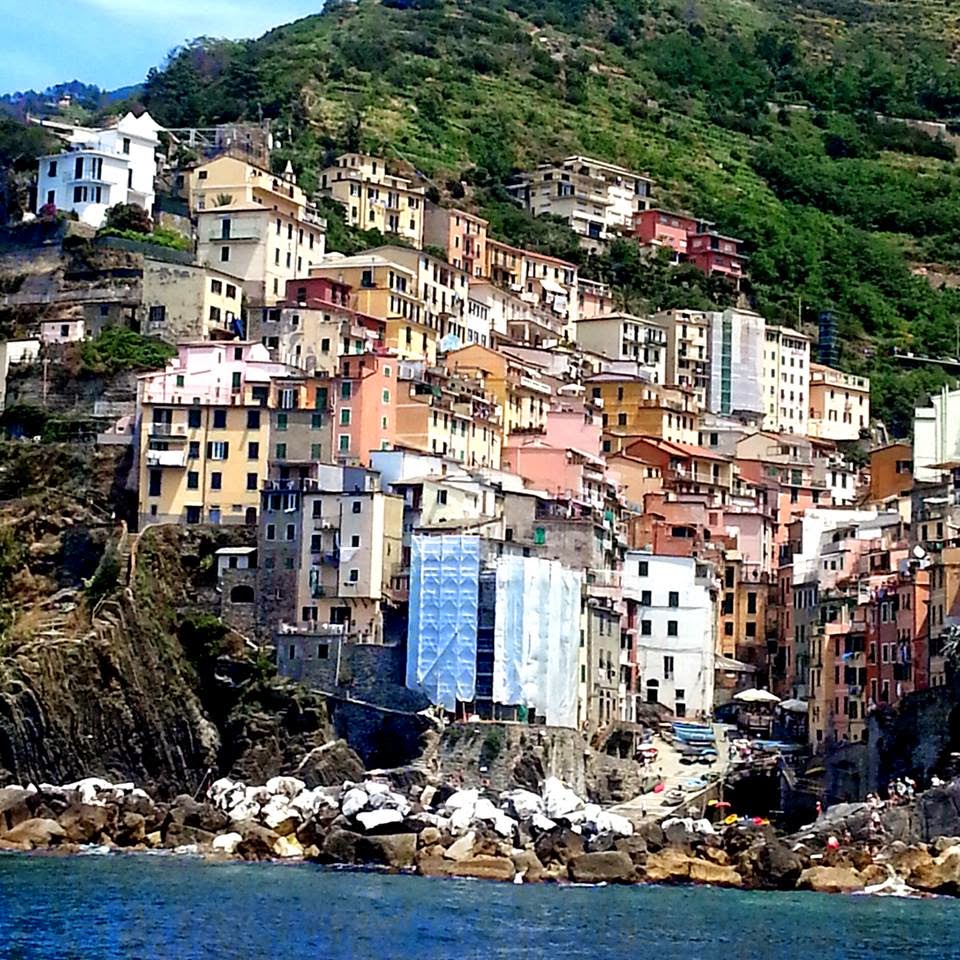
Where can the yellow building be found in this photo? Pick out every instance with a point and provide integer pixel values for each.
(521, 392)
(839, 404)
(373, 199)
(255, 225)
(634, 407)
(204, 431)
(388, 291)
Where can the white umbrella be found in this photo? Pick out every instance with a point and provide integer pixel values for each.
(794, 706)
(756, 696)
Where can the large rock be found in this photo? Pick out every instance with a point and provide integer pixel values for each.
(771, 865)
(36, 833)
(669, 865)
(330, 765)
(702, 871)
(484, 868)
(559, 845)
(16, 806)
(87, 823)
(528, 865)
(131, 829)
(461, 848)
(905, 860)
(180, 835)
(610, 867)
(258, 843)
(340, 846)
(677, 835)
(395, 850)
(940, 875)
(191, 813)
(634, 847)
(434, 867)
(830, 880)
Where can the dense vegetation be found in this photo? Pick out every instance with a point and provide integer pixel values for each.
(772, 117)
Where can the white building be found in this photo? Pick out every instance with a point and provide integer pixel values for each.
(101, 168)
(622, 336)
(597, 199)
(675, 640)
(786, 381)
(936, 435)
(736, 363)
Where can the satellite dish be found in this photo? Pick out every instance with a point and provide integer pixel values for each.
(918, 552)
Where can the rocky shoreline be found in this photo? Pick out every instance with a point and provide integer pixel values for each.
(392, 821)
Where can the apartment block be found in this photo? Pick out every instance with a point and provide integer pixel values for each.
(736, 352)
(839, 404)
(786, 380)
(622, 336)
(373, 199)
(462, 236)
(389, 291)
(329, 547)
(688, 350)
(255, 225)
(101, 168)
(598, 200)
(315, 325)
(675, 602)
(204, 431)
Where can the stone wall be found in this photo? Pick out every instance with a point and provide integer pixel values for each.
(236, 610)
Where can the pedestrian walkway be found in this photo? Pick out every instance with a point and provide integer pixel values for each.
(675, 774)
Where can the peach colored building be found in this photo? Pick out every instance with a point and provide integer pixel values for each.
(461, 235)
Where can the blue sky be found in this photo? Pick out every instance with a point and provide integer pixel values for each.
(113, 43)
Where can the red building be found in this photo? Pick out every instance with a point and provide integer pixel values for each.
(712, 253)
(662, 228)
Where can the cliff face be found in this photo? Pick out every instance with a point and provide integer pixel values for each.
(112, 662)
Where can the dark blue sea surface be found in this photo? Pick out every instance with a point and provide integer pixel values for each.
(100, 908)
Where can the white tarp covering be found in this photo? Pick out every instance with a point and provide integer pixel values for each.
(442, 631)
(537, 637)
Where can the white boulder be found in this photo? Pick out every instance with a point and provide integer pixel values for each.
(485, 810)
(607, 822)
(558, 800)
(354, 800)
(462, 799)
(371, 819)
(524, 803)
(244, 810)
(288, 787)
(227, 843)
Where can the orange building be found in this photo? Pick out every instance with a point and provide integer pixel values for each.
(891, 471)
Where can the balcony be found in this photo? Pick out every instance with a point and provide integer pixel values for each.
(160, 428)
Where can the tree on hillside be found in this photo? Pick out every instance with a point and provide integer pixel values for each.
(128, 216)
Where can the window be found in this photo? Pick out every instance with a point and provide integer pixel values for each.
(126, 145)
(281, 451)
(668, 668)
(643, 568)
(156, 482)
(281, 421)
(231, 292)
(354, 575)
(224, 254)
(217, 450)
(235, 383)
(357, 506)
(345, 390)
(291, 532)
(52, 169)
(253, 450)
(441, 496)
(193, 451)
(251, 481)
(157, 314)
(253, 419)
(316, 451)
(345, 417)
(646, 598)
(751, 603)
(193, 480)
(386, 396)
(728, 629)
(220, 419)
(672, 628)
(216, 481)
(271, 532)
(344, 442)
(674, 599)
(646, 628)
(193, 419)
(325, 345)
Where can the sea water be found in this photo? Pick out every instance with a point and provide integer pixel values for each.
(101, 908)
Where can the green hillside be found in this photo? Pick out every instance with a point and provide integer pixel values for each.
(760, 114)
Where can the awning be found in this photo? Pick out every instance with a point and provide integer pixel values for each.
(794, 706)
(551, 287)
(729, 665)
(756, 696)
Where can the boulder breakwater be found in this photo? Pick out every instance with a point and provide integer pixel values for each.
(391, 820)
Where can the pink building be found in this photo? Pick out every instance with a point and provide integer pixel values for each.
(662, 228)
(712, 253)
